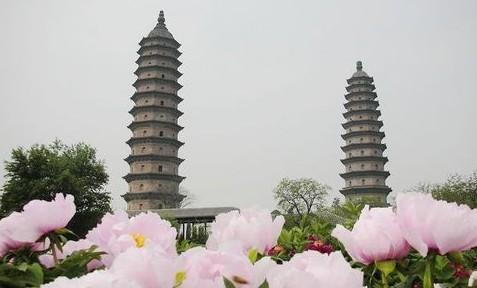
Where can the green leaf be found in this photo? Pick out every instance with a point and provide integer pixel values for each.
(456, 257)
(441, 262)
(75, 265)
(36, 272)
(23, 267)
(252, 255)
(264, 285)
(228, 283)
(22, 275)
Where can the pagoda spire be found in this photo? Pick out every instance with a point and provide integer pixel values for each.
(154, 163)
(161, 21)
(364, 161)
(161, 18)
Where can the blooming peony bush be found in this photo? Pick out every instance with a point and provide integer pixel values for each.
(420, 244)
(376, 236)
(38, 218)
(429, 224)
(234, 230)
(312, 269)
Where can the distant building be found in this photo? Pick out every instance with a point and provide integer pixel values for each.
(154, 163)
(364, 161)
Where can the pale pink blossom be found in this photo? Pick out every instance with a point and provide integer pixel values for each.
(7, 227)
(245, 230)
(427, 224)
(376, 236)
(96, 279)
(117, 233)
(71, 246)
(261, 268)
(38, 218)
(312, 269)
(105, 234)
(205, 268)
(110, 226)
(146, 267)
(41, 217)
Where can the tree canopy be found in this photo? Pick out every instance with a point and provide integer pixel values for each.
(44, 170)
(300, 196)
(457, 188)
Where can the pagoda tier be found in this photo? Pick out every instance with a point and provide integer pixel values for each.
(365, 175)
(154, 163)
(351, 104)
(155, 97)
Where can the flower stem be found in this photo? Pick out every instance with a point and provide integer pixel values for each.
(384, 280)
(427, 279)
(55, 257)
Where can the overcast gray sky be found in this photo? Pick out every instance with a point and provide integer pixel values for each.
(263, 86)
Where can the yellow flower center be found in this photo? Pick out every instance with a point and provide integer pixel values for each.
(140, 239)
(180, 277)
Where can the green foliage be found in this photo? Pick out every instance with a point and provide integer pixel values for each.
(417, 271)
(228, 283)
(199, 234)
(299, 238)
(22, 268)
(74, 265)
(22, 275)
(471, 258)
(349, 211)
(42, 171)
(300, 196)
(184, 245)
(457, 188)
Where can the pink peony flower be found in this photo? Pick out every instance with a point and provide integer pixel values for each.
(117, 233)
(38, 218)
(312, 269)
(146, 267)
(111, 226)
(376, 236)
(41, 217)
(103, 279)
(7, 227)
(318, 245)
(427, 223)
(204, 268)
(275, 250)
(71, 246)
(245, 230)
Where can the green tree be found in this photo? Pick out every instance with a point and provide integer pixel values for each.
(300, 196)
(457, 188)
(42, 171)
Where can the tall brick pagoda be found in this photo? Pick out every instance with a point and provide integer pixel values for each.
(364, 161)
(154, 163)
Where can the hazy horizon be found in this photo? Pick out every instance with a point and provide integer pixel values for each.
(263, 86)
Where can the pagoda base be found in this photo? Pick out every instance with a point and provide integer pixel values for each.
(375, 195)
(152, 200)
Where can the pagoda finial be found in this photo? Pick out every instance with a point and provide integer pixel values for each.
(359, 66)
(161, 18)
